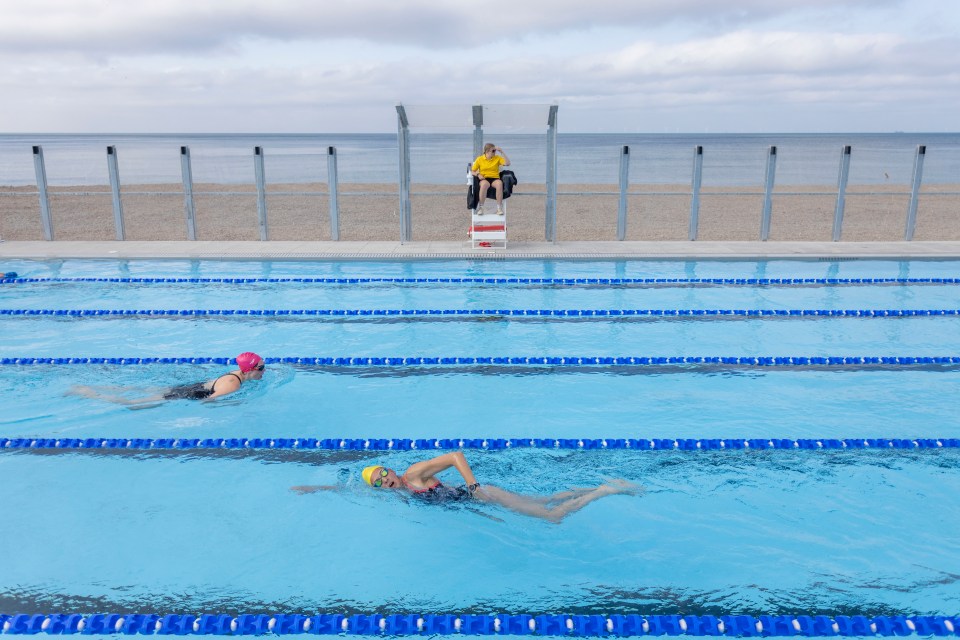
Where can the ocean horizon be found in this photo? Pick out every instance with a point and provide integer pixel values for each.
(729, 159)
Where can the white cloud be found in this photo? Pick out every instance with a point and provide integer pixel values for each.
(242, 66)
(112, 27)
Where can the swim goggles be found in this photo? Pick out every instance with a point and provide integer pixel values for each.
(379, 481)
(260, 367)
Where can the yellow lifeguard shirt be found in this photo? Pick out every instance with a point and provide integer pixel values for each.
(488, 168)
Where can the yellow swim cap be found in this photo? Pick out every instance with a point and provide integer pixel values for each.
(367, 473)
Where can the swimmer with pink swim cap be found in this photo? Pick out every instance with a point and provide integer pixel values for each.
(250, 367)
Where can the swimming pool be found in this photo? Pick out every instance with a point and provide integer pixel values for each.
(718, 532)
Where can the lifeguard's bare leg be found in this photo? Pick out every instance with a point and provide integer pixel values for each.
(484, 185)
(498, 185)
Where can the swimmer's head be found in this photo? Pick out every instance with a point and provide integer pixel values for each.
(249, 361)
(379, 476)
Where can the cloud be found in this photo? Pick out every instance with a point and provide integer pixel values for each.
(109, 28)
(302, 65)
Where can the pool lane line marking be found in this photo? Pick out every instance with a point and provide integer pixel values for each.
(489, 444)
(487, 313)
(533, 361)
(482, 624)
(500, 280)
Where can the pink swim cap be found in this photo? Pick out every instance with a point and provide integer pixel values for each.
(248, 361)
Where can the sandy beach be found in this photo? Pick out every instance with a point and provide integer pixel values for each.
(369, 212)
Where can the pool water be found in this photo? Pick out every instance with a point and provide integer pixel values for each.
(717, 532)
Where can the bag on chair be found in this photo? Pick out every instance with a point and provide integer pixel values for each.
(472, 195)
(509, 182)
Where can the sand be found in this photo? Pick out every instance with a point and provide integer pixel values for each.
(369, 212)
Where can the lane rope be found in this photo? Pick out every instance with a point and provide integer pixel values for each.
(473, 313)
(565, 361)
(489, 444)
(503, 280)
(490, 624)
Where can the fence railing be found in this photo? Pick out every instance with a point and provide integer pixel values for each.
(624, 194)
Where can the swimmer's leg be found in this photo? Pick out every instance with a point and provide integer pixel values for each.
(532, 506)
(96, 393)
(566, 495)
(562, 495)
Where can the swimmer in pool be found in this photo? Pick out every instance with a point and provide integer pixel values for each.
(250, 367)
(420, 481)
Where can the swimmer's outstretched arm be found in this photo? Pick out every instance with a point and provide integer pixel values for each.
(421, 472)
(313, 488)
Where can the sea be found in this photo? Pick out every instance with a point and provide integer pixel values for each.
(582, 158)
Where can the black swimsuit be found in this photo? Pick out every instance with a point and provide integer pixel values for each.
(195, 391)
(440, 493)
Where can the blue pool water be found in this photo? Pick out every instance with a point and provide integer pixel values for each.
(717, 532)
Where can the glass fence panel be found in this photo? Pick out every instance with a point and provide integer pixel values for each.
(658, 203)
(938, 209)
(296, 190)
(81, 206)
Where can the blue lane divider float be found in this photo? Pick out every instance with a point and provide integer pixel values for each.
(511, 313)
(507, 280)
(489, 624)
(489, 444)
(563, 361)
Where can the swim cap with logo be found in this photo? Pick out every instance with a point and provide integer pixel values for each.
(248, 361)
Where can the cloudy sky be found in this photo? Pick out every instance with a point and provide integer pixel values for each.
(611, 65)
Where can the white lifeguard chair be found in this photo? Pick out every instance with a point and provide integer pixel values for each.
(487, 231)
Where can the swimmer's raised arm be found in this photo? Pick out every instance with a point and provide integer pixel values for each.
(421, 472)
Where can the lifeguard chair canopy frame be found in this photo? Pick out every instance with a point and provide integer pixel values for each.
(515, 118)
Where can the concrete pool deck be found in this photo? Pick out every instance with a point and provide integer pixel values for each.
(394, 250)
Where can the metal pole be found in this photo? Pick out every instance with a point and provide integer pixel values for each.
(187, 172)
(41, 170)
(403, 144)
(768, 194)
(261, 178)
(550, 225)
(334, 191)
(477, 130)
(841, 192)
(624, 184)
(114, 171)
(695, 192)
(915, 191)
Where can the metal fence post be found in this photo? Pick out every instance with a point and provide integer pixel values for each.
(334, 193)
(261, 179)
(624, 185)
(187, 172)
(550, 225)
(477, 130)
(695, 192)
(41, 170)
(113, 169)
(403, 145)
(768, 194)
(915, 191)
(841, 191)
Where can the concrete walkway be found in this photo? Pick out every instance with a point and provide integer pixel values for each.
(290, 250)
